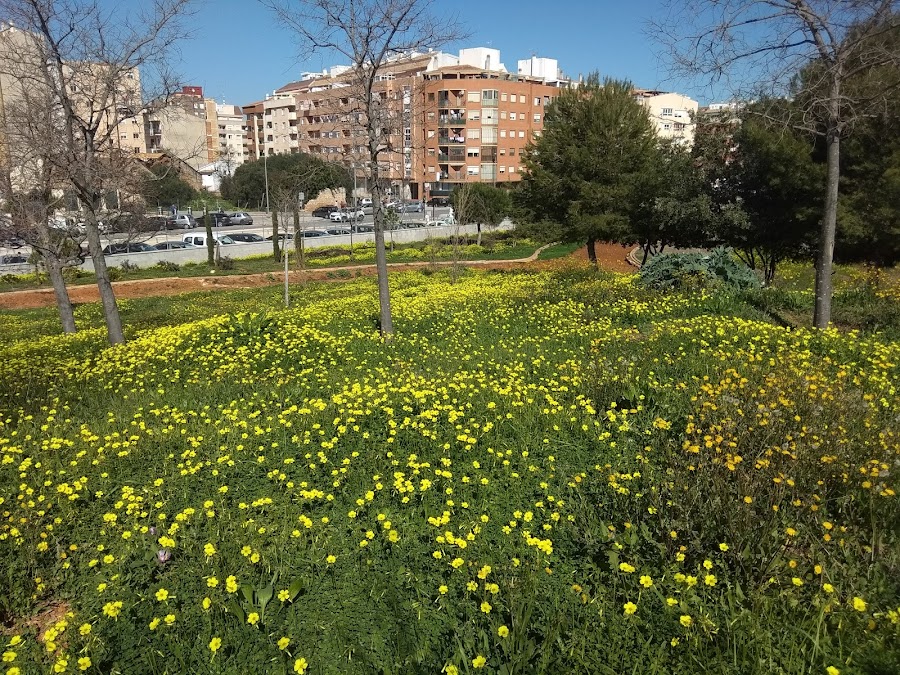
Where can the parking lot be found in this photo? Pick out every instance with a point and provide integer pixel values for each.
(411, 227)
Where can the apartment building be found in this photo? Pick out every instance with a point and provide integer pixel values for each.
(254, 130)
(675, 115)
(484, 118)
(98, 93)
(198, 130)
(445, 118)
(226, 139)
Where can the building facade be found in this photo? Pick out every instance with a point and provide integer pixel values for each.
(198, 130)
(675, 115)
(444, 119)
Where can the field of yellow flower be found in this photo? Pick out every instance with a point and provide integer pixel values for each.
(554, 472)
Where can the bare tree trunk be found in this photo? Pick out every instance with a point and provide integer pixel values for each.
(107, 296)
(210, 244)
(822, 313)
(276, 248)
(50, 255)
(478, 240)
(63, 304)
(592, 251)
(386, 324)
(299, 241)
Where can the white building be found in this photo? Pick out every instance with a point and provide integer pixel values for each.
(674, 114)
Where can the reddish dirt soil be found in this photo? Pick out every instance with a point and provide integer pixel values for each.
(609, 256)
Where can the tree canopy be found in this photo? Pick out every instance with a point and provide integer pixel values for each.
(296, 172)
(587, 168)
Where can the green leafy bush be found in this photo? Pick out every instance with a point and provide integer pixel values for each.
(679, 270)
(168, 265)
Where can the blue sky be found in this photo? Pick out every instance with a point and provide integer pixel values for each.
(238, 52)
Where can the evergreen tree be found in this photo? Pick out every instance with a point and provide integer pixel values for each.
(586, 170)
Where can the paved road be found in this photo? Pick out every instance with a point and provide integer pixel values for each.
(262, 225)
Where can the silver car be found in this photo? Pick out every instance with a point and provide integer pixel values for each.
(240, 218)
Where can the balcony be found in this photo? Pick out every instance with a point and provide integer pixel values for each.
(452, 121)
(451, 140)
(452, 158)
(450, 101)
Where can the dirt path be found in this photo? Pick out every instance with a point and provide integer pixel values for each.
(609, 257)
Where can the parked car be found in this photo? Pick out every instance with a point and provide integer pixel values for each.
(313, 233)
(200, 239)
(346, 215)
(182, 220)
(281, 235)
(364, 202)
(240, 218)
(412, 207)
(438, 201)
(324, 211)
(336, 231)
(219, 219)
(171, 245)
(363, 227)
(12, 259)
(246, 237)
(133, 247)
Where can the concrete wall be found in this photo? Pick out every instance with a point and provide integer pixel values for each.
(198, 254)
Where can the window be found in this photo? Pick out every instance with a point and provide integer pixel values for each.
(431, 133)
(489, 97)
(431, 96)
(512, 152)
(537, 117)
(473, 133)
(473, 170)
(502, 114)
(431, 152)
(432, 169)
(502, 169)
(512, 169)
(666, 111)
(431, 115)
(489, 116)
(488, 134)
(503, 133)
(512, 116)
(474, 97)
(474, 115)
(473, 152)
(502, 151)
(679, 126)
(521, 134)
(666, 126)
(537, 101)
(503, 97)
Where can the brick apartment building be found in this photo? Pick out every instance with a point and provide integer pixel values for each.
(448, 119)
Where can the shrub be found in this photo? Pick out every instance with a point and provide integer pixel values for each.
(168, 265)
(678, 270)
(226, 263)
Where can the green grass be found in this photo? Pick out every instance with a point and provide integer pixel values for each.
(543, 472)
(558, 251)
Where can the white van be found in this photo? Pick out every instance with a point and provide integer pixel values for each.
(200, 239)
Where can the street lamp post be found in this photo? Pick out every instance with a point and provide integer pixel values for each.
(266, 173)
